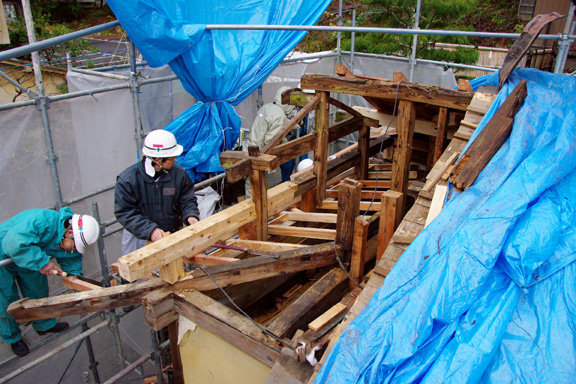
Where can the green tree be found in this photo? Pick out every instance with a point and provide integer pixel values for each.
(45, 27)
(434, 14)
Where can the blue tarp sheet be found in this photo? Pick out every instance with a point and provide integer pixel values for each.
(220, 68)
(487, 292)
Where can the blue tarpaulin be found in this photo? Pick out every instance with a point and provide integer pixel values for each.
(220, 68)
(487, 292)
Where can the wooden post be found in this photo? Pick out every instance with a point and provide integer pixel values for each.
(308, 203)
(260, 197)
(363, 140)
(441, 133)
(178, 373)
(321, 152)
(348, 209)
(390, 218)
(403, 151)
(173, 271)
(358, 258)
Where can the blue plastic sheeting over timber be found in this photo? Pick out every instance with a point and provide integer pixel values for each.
(487, 292)
(219, 68)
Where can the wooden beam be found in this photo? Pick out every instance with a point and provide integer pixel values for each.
(210, 260)
(267, 246)
(318, 298)
(321, 153)
(364, 205)
(348, 209)
(227, 324)
(389, 90)
(306, 232)
(259, 197)
(363, 141)
(489, 140)
(83, 302)
(246, 270)
(403, 150)
(172, 272)
(390, 218)
(158, 308)
(202, 235)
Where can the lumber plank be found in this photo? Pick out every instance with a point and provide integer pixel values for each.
(364, 205)
(437, 203)
(334, 312)
(425, 127)
(306, 232)
(312, 217)
(489, 140)
(389, 90)
(228, 324)
(324, 293)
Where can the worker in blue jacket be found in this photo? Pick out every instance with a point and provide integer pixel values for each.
(31, 239)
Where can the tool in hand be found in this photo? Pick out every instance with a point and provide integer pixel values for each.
(64, 274)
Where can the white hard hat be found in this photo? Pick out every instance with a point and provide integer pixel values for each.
(161, 143)
(306, 163)
(86, 231)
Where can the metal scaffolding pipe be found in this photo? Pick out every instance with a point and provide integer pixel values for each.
(55, 351)
(43, 103)
(101, 74)
(565, 42)
(415, 40)
(129, 368)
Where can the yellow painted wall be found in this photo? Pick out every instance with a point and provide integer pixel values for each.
(25, 76)
(208, 359)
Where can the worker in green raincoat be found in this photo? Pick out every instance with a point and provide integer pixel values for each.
(30, 239)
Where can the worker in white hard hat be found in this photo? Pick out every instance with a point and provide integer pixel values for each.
(268, 122)
(31, 239)
(155, 195)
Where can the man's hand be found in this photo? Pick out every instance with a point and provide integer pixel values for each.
(157, 234)
(192, 220)
(48, 268)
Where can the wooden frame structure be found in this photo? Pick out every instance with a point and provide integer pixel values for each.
(268, 223)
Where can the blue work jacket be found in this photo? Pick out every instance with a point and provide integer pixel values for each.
(31, 237)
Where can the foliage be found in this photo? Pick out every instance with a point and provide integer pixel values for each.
(45, 28)
(435, 14)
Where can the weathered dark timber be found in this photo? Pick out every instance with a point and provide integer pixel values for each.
(489, 140)
(523, 44)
